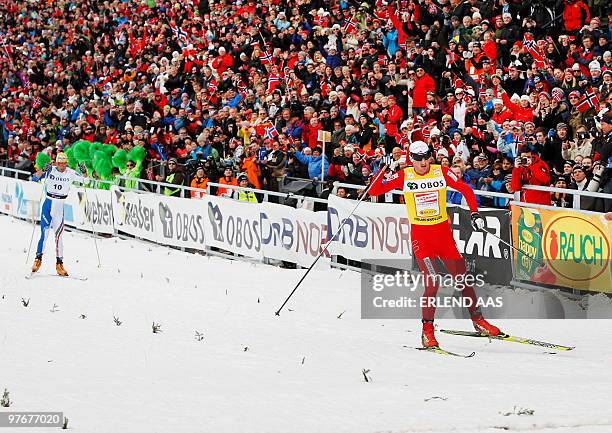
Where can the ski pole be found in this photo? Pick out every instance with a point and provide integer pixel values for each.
(92, 227)
(40, 199)
(518, 250)
(364, 195)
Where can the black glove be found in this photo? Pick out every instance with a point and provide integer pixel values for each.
(83, 168)
(478, 222)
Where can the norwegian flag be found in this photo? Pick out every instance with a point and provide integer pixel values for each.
(36, 102)
(181, 35)
(265, 57)
(451, 57)
(349, 25)
(589, 100)
(271, 132)
(533, 49)
(26, 82)
(242, 88)
(273, 82)
(212, 86)
(482, 93)
(383, 60)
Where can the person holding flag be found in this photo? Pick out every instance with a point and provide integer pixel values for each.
(58, 179)
(424, 185)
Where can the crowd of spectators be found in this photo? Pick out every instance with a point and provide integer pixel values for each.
(507, 93)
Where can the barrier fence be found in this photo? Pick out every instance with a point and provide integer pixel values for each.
(271, 231)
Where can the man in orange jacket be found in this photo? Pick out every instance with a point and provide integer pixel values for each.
(424, 185)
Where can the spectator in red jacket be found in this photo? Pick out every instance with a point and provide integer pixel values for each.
(422, 84)
(310, 132)
(391, 117)
(529, 169)
(501, 113)
(575, 14)
(223, 61)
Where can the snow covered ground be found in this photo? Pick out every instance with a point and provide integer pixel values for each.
(255, 372)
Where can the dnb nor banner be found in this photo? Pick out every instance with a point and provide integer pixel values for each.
(571, 249)
(265, 230)
(374, 231)
(484, 253)
(87, 207)
(293, 235)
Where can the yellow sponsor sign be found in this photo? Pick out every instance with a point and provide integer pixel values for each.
(575, 248)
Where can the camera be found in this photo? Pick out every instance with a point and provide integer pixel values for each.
(582, 135)
(523, 161)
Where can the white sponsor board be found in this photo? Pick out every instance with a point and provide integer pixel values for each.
(374, 231)
(233, 226)
(134, 213)
(181, 222)
(85, 207)
(293, 235)
(7, 192)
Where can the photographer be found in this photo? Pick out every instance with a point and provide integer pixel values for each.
(580, 146)
(529, 169)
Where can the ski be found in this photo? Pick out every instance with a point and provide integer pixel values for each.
(507, 337)
(32, 275)
(440, 351)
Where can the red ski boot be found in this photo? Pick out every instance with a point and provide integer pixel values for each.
(427, 337)
(484, 327)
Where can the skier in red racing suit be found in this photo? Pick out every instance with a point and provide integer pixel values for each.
(424, 185)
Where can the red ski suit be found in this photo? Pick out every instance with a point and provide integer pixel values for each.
(430, 231)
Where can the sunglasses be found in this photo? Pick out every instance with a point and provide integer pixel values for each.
(419, 156)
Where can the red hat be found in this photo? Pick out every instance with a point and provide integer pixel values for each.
(545, 94)
(575, 93)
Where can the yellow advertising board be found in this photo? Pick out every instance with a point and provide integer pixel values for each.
(562, 247)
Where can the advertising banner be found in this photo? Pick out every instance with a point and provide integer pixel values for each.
(233, 226)
(181, 222)
(7, 191)
(484, 253)
(374, 231)
(293, 235)
(563, 248)
(135, 214)
(84, 208)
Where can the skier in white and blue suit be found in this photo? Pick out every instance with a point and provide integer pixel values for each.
(58, 179)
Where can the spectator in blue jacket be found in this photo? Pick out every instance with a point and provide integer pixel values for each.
(313, 162)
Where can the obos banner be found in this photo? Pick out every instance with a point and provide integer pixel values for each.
(233, 226)
(181, 222)
(374, 231)
(573, 247)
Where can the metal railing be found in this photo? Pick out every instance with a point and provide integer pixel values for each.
(398, 192)
(13, 172)
(157, 187)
